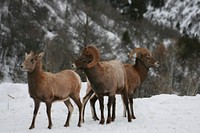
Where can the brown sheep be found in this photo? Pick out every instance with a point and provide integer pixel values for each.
(107, 78)
(136, 74)
(48, 87)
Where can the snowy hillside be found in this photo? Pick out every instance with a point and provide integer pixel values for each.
(50, 26)
(158, 114)
(183, 15)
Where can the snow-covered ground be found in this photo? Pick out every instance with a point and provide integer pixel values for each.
(158, 114)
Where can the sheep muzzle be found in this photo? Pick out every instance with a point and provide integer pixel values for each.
(74, 67)
(157, 64)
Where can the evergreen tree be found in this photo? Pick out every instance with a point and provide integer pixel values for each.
(137, 9)
(157, 3)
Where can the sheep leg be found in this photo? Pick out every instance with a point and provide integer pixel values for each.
(48, 111)
(124, 106)
(85, 100)
(36, 108)
(131, 107)
(93, 110)
(125, 97)
(113, 111)
(70, 110)
(79, 104)
(111, 100)
(101, 103)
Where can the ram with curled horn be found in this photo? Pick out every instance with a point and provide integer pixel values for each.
(107, 78)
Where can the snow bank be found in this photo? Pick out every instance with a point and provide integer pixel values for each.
(158, 114)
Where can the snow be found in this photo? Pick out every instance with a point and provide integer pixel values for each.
(167, 42)
(6, 77)
(62, 6)
(158, 114)
(50, 35)
(52, 11)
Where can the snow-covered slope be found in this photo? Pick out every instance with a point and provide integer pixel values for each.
(39, 25)
(183, 15)
(158, 114)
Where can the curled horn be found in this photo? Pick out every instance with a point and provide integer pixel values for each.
(95, 54)
(136, 51)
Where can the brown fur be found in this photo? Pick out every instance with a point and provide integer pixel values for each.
(136, 74)
(107, 78)
(48, 87)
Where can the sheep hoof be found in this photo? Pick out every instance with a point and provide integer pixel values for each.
(50, 126)
(95, 118)
(109, 120)
(79, 125)
(113, 119)
(31, 127)
(101, 122)
(133, 117)
(66, 125)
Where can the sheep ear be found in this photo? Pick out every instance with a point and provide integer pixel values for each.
(26, 54)
(139, 55)
(40, 55)
(134, 55)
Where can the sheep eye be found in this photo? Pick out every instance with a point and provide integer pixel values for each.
(32, 61)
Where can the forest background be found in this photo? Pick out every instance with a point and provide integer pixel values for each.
(62, 28)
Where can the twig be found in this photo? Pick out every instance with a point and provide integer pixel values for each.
(11, 96)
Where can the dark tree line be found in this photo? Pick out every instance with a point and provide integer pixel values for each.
(25, 27)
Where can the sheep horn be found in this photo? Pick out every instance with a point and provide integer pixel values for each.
(136, 50)
(95, 54)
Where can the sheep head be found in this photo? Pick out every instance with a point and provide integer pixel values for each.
(89, 58)
(145, 56)
(31, 60)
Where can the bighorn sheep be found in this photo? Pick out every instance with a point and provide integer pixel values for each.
(48, 87)
(107, 78)
(136, 74)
